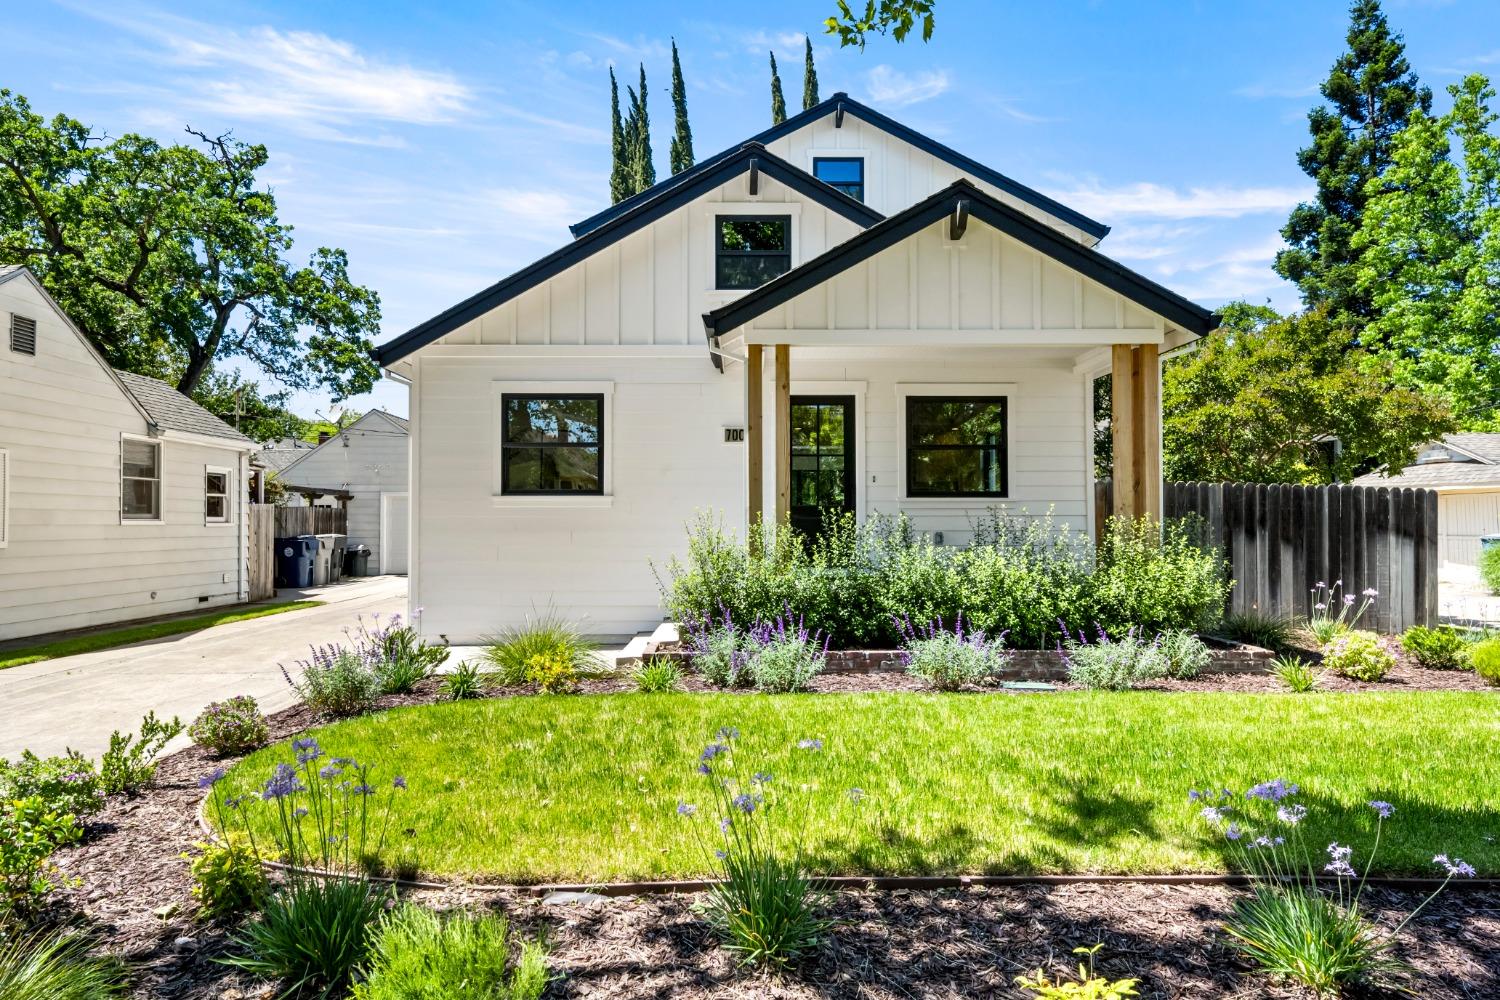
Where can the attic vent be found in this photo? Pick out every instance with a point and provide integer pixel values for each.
(23, 334)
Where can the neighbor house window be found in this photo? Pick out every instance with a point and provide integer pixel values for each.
(552, 444)
(955, 446)
(216, 496)
(752, 249)
(846, 173)
(140, 480)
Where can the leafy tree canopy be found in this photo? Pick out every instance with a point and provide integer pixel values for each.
(242, 404)
(173, 256)
(1263, 399)
(894, 17)
(1430, 256)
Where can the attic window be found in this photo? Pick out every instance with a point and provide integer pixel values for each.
(843, 173)
(23, 334)
(752, 249)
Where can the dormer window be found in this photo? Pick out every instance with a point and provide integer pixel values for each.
(751, 250)
(845, 173)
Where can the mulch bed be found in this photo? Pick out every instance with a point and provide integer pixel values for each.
(135, 893)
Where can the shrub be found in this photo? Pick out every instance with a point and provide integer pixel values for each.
(1257, 628)
(1484, 657)
(1154, 576)
(784, 656)
(336, 681)
(1114, 664)
(553, 673)
(512, 651)
(227, 879)
(66, 784)
(1186, 655)
(311, 935)
(29, 833)
(1088, 986)
(419, 955)
(1299, 676)
(949, 660)
(1435, 648)
(464, 682)
(57, 965)
(1358, 656)
(231, 727)
(657, 675)
(1489, 567)
(129, 765)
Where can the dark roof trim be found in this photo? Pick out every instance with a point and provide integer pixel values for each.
(838, 104)
(724, 169)
(1037, 235)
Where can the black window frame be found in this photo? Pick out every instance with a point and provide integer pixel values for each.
(720, 252)
(1003, 448)
(507, 447)
(843, 186)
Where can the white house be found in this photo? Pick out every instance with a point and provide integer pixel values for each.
(368, 460)
(839, 313)
(120, 498)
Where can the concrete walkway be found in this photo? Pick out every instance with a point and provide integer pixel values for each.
(76, 701)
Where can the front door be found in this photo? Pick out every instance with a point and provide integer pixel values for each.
(822, 460)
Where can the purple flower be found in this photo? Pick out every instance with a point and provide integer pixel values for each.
(686, 808)
(307, 743)
(1269, 841)
(705, 769)
(761, 778)
(1454, 866)
(814, 745)
(1291, 815)
(728, 734)
(855, 794)
(330, 772)
(282, 782)
(1370, 592)
(1272, 791)
(725, 824)
(721, 854)
(745, 803)
(298, 812)
(1338, 861)
(1215, 814)
(1233, 832)
(212, 778)
(1383, 809)
(713, 750)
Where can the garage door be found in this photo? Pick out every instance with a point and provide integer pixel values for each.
(395, 533)
(1462, 519)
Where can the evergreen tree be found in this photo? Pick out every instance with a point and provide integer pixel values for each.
(619, 171)
(631, 139)
(645, 168)
(778, 103)
(682, 138)
(1372, 91)
(809, 77)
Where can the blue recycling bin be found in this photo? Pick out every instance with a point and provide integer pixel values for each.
(1489, 541)
(294, 560)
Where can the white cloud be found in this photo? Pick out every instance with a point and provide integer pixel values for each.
(1150, 241)
(886, 85)
(1160, 201)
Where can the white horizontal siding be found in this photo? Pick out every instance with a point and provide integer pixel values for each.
(375, 462)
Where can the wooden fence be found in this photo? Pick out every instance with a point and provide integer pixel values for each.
(1281, 541)
(311, 521)
(262, 555)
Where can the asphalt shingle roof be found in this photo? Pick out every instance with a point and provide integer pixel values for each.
(1486, 446)
(1437, 474)
(277, 459)
(172, 411)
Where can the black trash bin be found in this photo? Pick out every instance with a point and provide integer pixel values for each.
(294, 560)
(357, 560)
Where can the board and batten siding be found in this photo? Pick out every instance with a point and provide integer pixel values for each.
(69, 561)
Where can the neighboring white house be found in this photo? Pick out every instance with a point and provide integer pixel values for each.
(1464, 470)
(368, 459)
(839, 313)
(120, 498)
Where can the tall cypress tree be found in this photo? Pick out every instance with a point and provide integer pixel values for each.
(619, 171)
(645, 169)
(631, 138)
(1370, 91)
(809, 77)
(778, 103)
(682, 138)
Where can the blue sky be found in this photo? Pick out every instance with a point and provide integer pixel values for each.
(445, 145)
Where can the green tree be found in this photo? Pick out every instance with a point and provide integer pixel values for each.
(1264, 398)
(643, 163)
(1371, 92)
(778, 102)
(682, 137)
(241, 404)
(894, 17)
(809, 76)
(1430, 256)
(173, 256)
(620, 184)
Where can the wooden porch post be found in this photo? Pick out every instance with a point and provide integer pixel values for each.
(755, 449)
(1135, 429)
(1122, 428)
(783, 433)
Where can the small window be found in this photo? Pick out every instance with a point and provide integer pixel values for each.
(23, 334)
(955, 446)
(216, 496)
(845, 173)
(752, 250)
(140, 481)
(552, 444)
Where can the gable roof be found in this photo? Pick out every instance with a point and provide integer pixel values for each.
(302, 454)
(1436, 475)
(1012, 222)
(172, 411)
(841, 103)
(722, 170)
(1480, 446)
(277, 459)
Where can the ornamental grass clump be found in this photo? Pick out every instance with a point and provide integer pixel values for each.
(57, 965)
(1259, 628)
(231, 727)
(417, 954)
(1186, 655)
(1358, 656)
(952, 659)
(1114, 663)
(464, 682)
(657, 675)
(1297, 674)
(765, 908)
(511, 652)
(1436, 648)
(1290, 925)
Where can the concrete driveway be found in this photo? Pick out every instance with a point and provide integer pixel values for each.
(76, 701)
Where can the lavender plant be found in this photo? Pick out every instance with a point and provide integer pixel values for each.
(1335, 611)
(718, 649)
(336, 681)
(400, 656)
(1185, 653)
(1109, 663)
(783, 655)
(1289, 925)
(950, 659)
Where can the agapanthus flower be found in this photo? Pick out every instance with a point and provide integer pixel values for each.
(331, 771)
(308, 756)
(1233, 832)
(1215, 814)
(855, 794)
(1454, 866)
(713, 750)
(399, 781)
(1269, 841)
(1292, 814)
(686, 808)
(299, 812)
(306, 743)
(813, 744)
(1338, 861)
(745, 803)
(1272, 791)
(725, 824)
(721, 854)
(282, 782)
(728, 733)
(1383, 809)
(761, 778)
(211, 778)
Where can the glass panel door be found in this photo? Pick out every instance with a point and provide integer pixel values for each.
(822, 460)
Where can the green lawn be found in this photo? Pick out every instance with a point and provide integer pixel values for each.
(94, 641)
(585, 787)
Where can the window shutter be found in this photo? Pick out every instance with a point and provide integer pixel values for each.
(4, 498)
(23, 334)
